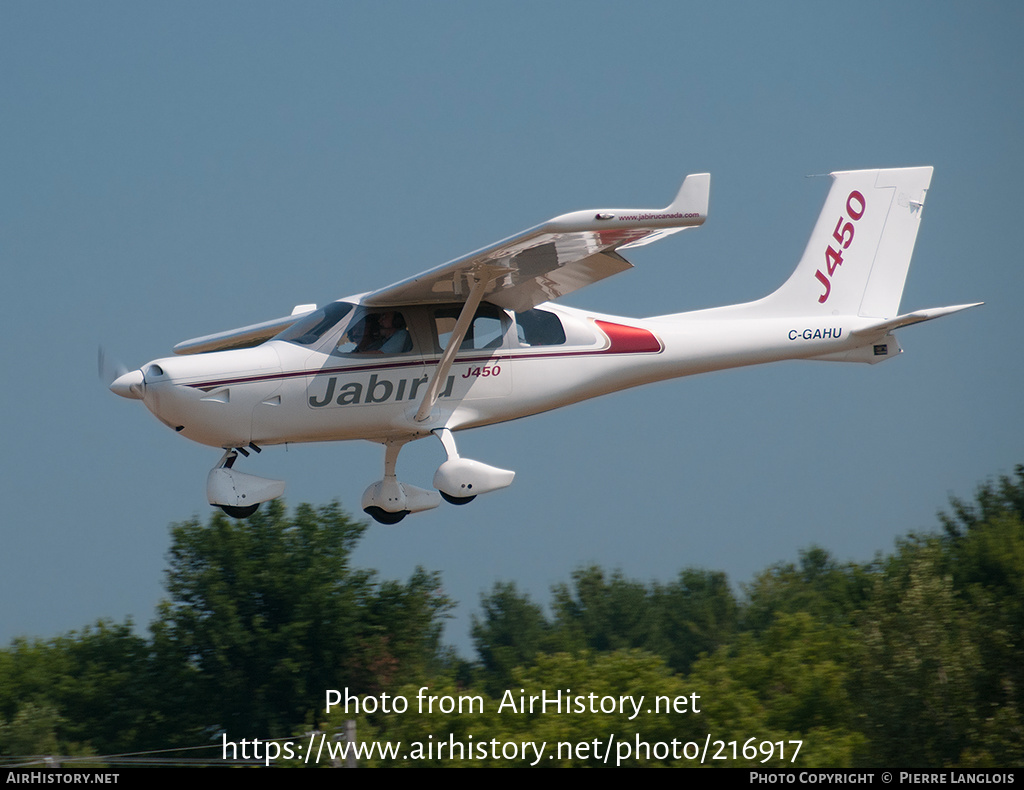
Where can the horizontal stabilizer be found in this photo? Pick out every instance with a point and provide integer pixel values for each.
(916, 317)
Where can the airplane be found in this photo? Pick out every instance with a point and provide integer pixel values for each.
(478, 341)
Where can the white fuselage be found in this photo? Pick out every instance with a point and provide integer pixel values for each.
(282, 392)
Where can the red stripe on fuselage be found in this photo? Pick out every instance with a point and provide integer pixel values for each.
(629, 339)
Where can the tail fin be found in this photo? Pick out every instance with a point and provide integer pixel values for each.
(857, 258)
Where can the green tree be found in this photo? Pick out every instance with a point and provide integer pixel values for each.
(265, 614)
(610, 674)
(691, 616)
(1004, 497)
(918, 663)
(788, 682)
(89, 686)
(819, 585)
(32, 732)
(983, 551)
(602, 613)
(510, 632)
(697, 614)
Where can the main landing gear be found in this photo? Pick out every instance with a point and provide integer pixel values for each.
(237, 493)
(388, 501)
(458, 480)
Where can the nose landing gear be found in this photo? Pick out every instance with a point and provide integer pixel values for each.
(236, 493)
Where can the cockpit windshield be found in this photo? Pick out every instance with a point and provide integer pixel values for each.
(311, 328)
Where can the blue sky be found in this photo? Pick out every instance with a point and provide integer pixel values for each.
(171, 170)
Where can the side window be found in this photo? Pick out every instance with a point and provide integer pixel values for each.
(486, 331)
(539, 328)
(376, 332)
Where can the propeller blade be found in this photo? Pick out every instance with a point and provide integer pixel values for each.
(109, 368)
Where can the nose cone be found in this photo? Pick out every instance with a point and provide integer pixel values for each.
(129, 385)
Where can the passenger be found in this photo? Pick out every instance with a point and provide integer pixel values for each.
(377, 333)
(393, 336)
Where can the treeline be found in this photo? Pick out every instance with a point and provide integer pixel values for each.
(261, 617)
(913, 659)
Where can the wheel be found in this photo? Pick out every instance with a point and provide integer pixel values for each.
(379, 514)
(239, 512)
(457, 500)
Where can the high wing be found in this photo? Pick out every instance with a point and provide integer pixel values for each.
(540, 264)
(554, 258)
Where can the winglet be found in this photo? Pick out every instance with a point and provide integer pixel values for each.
(693, 196)
(691, 203)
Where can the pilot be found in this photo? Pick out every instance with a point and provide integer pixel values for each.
(364, 334)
